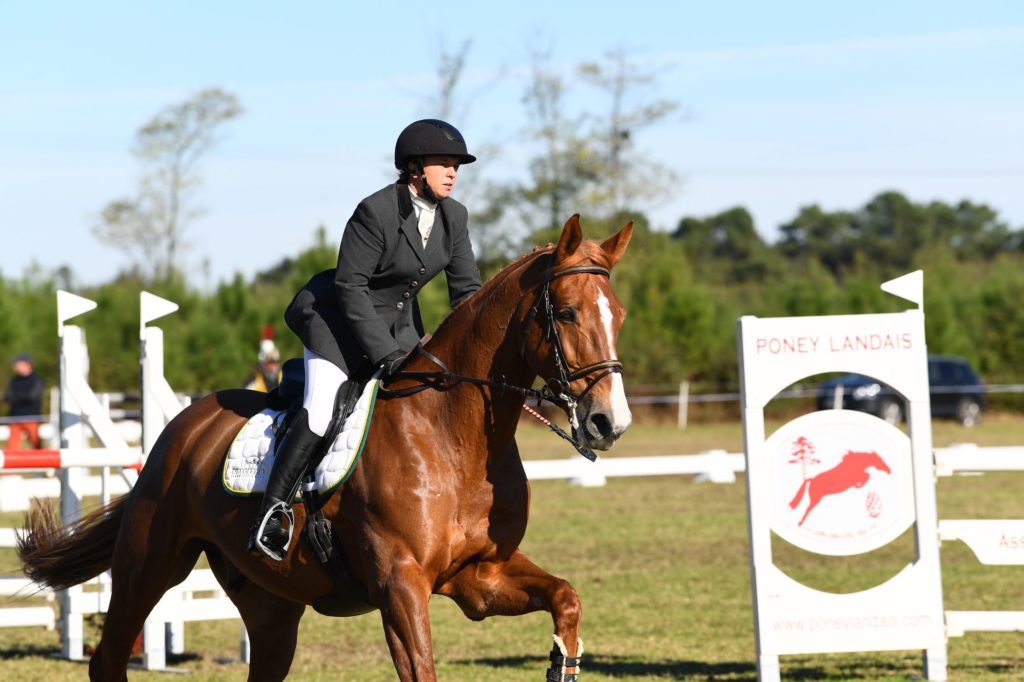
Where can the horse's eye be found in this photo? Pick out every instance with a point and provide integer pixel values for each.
(567, 314)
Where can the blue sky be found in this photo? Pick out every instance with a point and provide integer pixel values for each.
(787, 104)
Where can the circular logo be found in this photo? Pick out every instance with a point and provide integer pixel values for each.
(842, 482)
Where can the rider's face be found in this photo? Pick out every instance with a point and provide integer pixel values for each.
(439, 174)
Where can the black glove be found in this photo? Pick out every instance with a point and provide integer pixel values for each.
(391, 363)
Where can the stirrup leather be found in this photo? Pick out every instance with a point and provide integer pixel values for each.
(286, 510)
(564, 668)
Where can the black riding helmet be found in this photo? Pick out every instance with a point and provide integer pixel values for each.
(430, 137)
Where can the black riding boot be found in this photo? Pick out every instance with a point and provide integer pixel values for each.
(296, 452)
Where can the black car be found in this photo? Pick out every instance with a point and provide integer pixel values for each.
(956, 393)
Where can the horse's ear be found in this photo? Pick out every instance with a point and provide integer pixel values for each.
(572, 237)
(616, 245)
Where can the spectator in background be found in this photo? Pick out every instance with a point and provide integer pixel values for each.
(267, 374)
(25, 396)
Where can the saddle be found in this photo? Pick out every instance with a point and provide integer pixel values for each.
(252, 453)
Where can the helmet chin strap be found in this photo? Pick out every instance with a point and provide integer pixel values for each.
(425, 190)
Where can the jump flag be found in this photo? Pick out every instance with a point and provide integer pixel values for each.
(70, 305)
(909, 287)
(152, 307)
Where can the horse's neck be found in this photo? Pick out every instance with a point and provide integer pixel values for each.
(480, 339)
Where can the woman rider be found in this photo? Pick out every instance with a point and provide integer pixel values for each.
(364, 313)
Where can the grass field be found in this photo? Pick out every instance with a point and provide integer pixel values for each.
(661, 566)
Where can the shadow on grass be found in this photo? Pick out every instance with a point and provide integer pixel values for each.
(19, 652)
(28, 651)
(622, 666)
(626, 667)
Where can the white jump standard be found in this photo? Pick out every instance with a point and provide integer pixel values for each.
(839, 483)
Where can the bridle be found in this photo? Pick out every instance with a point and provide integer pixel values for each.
(555, 389)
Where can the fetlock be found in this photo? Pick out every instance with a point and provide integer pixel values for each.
(564, 668)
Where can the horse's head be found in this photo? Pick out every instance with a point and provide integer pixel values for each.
(866, 460)
(572, 343)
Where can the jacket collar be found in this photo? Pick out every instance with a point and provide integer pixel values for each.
(404, 201)
(409, 224)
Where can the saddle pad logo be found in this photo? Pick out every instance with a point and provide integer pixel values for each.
(842, 482)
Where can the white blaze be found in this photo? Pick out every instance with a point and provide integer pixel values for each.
(620, 415)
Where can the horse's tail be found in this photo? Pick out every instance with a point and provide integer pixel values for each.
(799, 494)
(63, 556)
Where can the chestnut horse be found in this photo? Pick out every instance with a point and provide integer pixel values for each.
(437, 504)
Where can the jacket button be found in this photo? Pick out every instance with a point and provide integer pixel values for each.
(405, 294)
(423, 271)
(414, 283)
(400, 305)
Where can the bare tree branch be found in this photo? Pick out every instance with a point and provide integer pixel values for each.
(150, 228)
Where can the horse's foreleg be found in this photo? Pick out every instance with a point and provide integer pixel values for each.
(519, 586)
(402, 599)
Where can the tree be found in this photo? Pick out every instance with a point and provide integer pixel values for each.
(566, 162)
(887, 234)
(586, 163)
(451, 103)
(825, 237)
(972, 230)
(626, 173)
(150, 226)
(726, 247)
(450, 68)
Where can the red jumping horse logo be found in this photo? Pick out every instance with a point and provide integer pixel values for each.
(851, 472)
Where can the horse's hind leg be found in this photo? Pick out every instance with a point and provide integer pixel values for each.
(272, 624)
(515, 587)
(145, 565)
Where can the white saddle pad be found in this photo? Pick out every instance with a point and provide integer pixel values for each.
(251, 455)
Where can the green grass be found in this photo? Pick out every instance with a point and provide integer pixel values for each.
(661, 566)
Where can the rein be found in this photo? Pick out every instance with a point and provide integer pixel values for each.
(555, 390)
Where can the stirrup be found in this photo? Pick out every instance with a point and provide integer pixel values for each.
(285, 509)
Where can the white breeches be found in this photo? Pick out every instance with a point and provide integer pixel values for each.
(323, 379)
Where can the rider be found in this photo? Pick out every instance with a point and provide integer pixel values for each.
(364, 313)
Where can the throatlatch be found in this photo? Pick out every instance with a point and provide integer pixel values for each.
(563, 667)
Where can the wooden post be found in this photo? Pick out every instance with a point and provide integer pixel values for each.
(684, 402)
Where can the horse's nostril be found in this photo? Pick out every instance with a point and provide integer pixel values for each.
(602, 424)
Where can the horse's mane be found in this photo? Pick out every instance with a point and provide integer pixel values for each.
(493, 290)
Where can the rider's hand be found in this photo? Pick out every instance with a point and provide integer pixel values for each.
(392, 363)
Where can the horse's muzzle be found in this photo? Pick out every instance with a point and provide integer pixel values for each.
(601, 423)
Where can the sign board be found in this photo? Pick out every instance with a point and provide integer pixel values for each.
(995, 542)
(840, 483)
